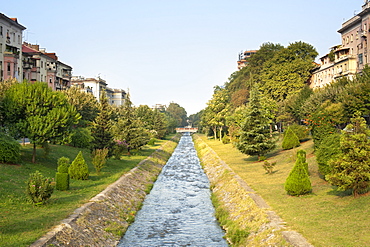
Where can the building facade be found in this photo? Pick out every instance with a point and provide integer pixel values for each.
(10, 48)
(244, 58)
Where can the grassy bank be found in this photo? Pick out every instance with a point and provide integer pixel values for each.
(21, 223)
(326, 217)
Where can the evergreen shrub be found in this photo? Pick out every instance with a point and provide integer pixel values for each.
(290, 140)
(79, 169)
(226, 139)
(298, 181)
(152, 141)
(39, 188)
(328, 149)
(9, 149)
(81, 138)
(99, 159)
(62, 176)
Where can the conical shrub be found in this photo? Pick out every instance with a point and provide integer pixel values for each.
(298, 181)
(290, 140)
(79, 169)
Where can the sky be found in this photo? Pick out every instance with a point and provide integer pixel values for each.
(163, 51)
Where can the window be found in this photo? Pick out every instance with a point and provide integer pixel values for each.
(351, 38)
(19, 39)
(360, 58)
(1, 48)
(1, 30)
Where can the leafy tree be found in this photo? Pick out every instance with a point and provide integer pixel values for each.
(234, 123)
(176, 115)
(255, 137)
(153, 120)
(298, 181)
(37, 112)
(4, 85)
(129, 128)
(351, 169)
(102, 126)
(290, 139)
(217, 110)
(85, 104)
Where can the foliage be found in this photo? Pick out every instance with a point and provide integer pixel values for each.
(269, 167)
(153, 120)
(4, 86)
(152, 141)
(102, 126)
(62, 176)
(255, 137)
(85, 104)
(226, 139)
(301, 131)
(216, 111)
(99, 159)
(9, 149)
(234, 122)
(298, 181)
(81, 137)
(328, 149)
(290, 139)
(37, 112)
(129, 129)
(39, 188)
(351, 169)
(63, 164)
(78, 169)
(176, 116)
(61, 181)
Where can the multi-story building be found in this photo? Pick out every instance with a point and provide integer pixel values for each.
(10, 48)
(244, 58)
(38, 65)
(338, 63)
(355, 35)
(96, 86)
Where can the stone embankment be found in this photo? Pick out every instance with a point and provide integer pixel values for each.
(247, 210)
(104, 219)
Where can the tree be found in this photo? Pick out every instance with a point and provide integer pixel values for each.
(79, 169)
(217, 110)
(129, 128)
(37, 112)
(255, 138)
(351, 169)
(298, 181)
(176, 115)
(153, 120)
(102, 126)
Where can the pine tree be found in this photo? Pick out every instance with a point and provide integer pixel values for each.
(298, 181)
(79, 169)
(255, 134)
(290, 139)
(129, 128)
(102, 125)
(351, 169)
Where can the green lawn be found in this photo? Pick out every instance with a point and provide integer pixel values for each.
(21, 223)
(326, 217)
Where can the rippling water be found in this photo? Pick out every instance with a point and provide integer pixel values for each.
(178, 211)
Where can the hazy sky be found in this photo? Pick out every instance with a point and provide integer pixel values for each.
(166, 51)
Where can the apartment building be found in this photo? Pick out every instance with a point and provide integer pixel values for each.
(39, 65)
(10, 48)
(244, 58)
(96, 86)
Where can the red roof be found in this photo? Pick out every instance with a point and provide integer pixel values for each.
(28, 49)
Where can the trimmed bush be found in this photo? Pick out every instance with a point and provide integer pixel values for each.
(62, 176)
(79, 169)
(62, 181)
(39, 188)
(290, 140)
(152, 141)
(9, 149)
(226, 139)
(328, 149)
(298, 181)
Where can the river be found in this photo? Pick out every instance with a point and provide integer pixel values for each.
(178, 211)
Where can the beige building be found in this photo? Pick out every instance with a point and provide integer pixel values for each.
(10, 48)
(244, 58)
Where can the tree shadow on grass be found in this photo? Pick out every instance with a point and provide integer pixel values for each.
(340, 193)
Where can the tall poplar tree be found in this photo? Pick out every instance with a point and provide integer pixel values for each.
(255, 138)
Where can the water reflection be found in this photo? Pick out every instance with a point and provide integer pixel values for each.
(178, 211)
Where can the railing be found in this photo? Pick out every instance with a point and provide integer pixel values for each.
(186, 129)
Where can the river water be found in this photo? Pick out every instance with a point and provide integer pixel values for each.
(178, 211)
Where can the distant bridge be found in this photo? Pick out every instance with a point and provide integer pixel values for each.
(186, 129)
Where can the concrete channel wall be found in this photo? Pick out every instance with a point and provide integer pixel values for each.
(246, 208)
(103, 220)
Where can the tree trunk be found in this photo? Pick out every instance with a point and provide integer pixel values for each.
(220, 134)
(34, 153)
(215, 132)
